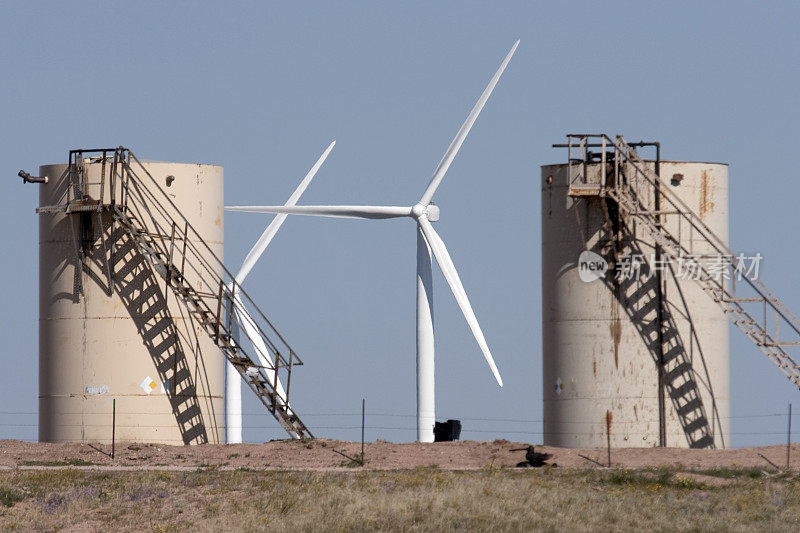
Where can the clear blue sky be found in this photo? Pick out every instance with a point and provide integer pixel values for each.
(262, 87)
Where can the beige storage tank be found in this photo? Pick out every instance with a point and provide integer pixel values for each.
(126, 340)
(600, 340)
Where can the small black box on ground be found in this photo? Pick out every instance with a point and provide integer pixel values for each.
(447, 431)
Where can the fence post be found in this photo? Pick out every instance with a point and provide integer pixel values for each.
(789, 437)
(363, 402)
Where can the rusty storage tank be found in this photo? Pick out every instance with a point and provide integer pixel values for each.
(126, 340)
(600, 338)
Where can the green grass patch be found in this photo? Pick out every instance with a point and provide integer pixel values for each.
(8, 497)
(648, 478)
(68, 462)
(751, 472)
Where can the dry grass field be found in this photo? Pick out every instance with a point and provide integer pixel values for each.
(474, 486)
(424, 498)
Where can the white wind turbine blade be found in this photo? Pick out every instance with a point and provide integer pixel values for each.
(262, 353)
(458, 140)
(335, 211)
(451, 275)
(274, 226)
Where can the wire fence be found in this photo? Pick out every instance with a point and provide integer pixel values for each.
(747, 429)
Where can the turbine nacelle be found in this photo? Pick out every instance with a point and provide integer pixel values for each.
(430, 212)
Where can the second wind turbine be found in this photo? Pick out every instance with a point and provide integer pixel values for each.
(423, 212)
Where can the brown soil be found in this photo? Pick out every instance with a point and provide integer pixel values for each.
(320, 455)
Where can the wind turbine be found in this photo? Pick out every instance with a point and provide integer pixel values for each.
(423, 212)
(242, 318)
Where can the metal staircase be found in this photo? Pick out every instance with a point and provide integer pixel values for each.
(622, 176)
(135, 204)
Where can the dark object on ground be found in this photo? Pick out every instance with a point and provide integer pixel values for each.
(447, 431)
(533, 458)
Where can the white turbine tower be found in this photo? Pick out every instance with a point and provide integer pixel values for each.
(424, 212)
(241, 317)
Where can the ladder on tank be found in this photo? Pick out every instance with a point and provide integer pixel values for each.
(626, 179)
(138, 206)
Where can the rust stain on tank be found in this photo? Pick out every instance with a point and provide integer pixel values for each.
(706, 195)
(615, 326)
(616, 332)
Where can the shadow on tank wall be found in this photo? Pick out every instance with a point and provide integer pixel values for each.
(112, 255)
(639, 296)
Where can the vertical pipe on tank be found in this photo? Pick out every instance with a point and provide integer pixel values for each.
(661, 298)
